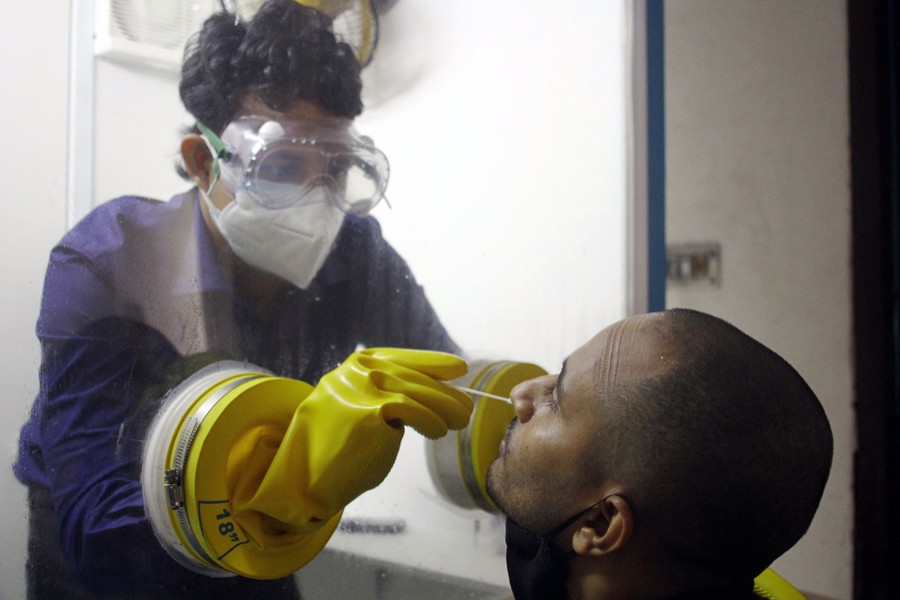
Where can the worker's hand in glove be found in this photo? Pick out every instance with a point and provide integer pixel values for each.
(344, 437)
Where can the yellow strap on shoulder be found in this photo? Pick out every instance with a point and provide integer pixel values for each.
(773, 586)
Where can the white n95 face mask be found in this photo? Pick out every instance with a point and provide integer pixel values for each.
(291, 242)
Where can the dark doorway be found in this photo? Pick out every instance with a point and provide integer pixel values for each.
(874, 56)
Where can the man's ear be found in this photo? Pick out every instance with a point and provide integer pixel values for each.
(605, 528)
(197, 160)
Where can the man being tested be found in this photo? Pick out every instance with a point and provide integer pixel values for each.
(672, 457)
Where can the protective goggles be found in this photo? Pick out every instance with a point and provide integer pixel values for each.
(279, 163)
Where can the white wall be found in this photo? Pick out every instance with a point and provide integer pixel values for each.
(138, 119)
(510, 163)
(757, 158)
(33, 123)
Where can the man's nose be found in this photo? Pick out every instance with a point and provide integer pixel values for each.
(524, 396)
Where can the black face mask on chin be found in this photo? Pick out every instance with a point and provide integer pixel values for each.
(537, 571)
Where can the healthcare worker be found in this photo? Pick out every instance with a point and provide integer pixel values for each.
(269, 259)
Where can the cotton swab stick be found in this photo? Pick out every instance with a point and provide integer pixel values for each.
(480, 393)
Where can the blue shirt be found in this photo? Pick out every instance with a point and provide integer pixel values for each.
(134, 301)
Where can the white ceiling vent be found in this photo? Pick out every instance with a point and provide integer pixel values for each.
(149, 33)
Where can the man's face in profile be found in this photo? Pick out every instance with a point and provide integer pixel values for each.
(539, 478)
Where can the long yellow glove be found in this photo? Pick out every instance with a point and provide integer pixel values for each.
(343, 440)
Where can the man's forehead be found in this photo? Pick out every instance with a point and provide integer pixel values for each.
(625, 350)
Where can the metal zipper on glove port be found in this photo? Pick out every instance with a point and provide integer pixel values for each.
(174, 477)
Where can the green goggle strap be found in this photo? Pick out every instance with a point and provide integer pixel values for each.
(221, 152)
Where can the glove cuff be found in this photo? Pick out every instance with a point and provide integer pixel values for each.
(189, 473)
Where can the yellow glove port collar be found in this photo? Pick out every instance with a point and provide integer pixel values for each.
(458, 464)
(204, 431)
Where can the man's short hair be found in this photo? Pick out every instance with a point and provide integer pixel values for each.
(731, 448)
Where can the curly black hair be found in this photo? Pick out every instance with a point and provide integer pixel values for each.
(287, 52)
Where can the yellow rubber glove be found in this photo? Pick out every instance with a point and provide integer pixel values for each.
(343, 440)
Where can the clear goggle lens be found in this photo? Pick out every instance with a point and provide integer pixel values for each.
(282, 176)
(280, 168)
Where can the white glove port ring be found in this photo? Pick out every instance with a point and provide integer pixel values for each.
(186, 462)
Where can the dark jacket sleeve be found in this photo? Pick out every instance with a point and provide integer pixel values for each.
(101, 389)
(394, 308)
(101, 372)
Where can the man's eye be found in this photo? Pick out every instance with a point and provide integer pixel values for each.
(553, 400)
